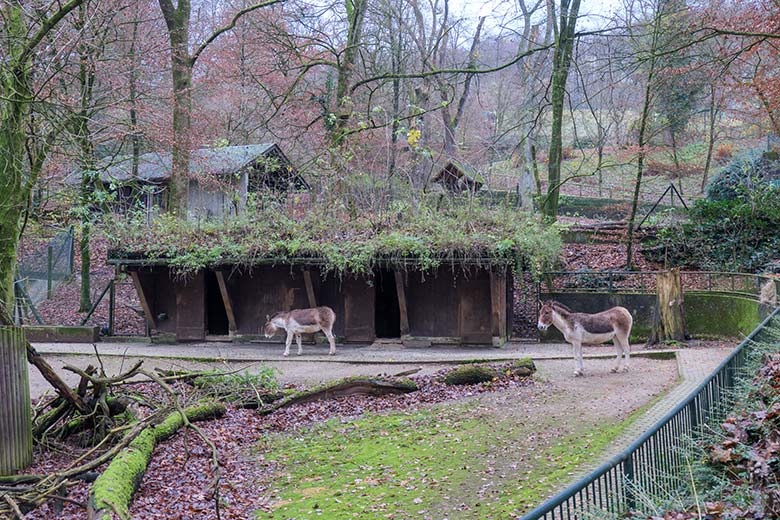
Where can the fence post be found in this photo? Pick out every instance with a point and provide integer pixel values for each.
(72, 250)
(49, 268)
(629, 478)
(111, 304)
(16, 446)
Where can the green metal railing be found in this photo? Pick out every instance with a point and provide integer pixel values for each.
(741, 284)
(656, 460)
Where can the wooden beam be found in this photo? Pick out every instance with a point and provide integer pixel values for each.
(309, 288)
(498, 305)
(399, 288)
(231, 316)
(142, 296)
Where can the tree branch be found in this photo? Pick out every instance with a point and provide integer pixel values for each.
(219, 32)
(437, 72)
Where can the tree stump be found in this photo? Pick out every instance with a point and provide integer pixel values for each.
(670, 316)
(16, 441)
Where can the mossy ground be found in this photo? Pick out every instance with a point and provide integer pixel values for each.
(456, 461)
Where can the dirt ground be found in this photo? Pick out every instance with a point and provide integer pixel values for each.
(556, 407)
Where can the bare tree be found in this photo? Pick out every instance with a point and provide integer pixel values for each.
(177, 19)
(564, 45)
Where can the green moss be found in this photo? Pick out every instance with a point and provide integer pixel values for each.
(469, 375)
(720, 315)
(523, 367)
(422, 464)
(426, 234)
(113, 490)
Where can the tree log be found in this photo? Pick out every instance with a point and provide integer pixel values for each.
(113, 490)
(670, 316)
(344, 387)
(16, 441)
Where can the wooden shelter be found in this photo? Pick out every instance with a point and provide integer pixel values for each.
(221, 178)
(463, 305)
(458, 177)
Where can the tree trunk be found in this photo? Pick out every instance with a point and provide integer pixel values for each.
(85, 299)
(670, 315)
(182, 106)
(710, 139)
(178, 22)
(16, 442)
(640, 163)
(564, 45)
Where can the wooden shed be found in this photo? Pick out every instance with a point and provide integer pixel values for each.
(463, 305)
(458, 177)
(221, 178)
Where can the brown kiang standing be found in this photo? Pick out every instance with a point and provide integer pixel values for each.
(578, 328)
(302, 321)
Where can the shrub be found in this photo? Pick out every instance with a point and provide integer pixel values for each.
(737, 234)
(724, 152)
(746, 172)
(469, 375)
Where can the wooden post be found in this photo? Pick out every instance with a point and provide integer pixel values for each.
(142, 297)
(401, 290)
(232, 324)
(16, 442)
(309, 288)
(111, 306)
(49, 268)
(498, 308)
(670, 317)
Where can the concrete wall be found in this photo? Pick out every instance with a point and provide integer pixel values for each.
(707, 314)
(640, 305)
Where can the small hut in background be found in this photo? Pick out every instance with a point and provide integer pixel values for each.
(221, 178)
(458, 177)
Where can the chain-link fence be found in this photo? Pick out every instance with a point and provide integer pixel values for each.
(40, 272)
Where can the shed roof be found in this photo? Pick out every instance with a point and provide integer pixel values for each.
(457, 176)
(155, 167)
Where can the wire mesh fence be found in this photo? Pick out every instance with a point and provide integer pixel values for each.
(53, 262)
(657, 462)
(40, 272)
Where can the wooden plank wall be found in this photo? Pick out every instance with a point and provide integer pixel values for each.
(16, 440)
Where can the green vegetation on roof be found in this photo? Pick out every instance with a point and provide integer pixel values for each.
(458, 232)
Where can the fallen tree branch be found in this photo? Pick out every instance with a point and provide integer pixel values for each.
(344, 387)
(113, 490)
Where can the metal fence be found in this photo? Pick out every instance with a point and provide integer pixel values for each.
(656, 462)
(49, 266)
(741, 284)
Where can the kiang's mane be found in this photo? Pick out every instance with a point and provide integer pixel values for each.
(560, 307)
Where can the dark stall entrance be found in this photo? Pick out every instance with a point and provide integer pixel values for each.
(388, 315)
(216, 316)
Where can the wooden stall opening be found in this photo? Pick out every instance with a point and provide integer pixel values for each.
(217, 323)
(387, 313)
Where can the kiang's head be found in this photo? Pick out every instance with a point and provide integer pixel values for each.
(545, 315)
(270, 328)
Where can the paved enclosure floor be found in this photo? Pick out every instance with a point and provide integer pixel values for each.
(380, 352)
(315, 366)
